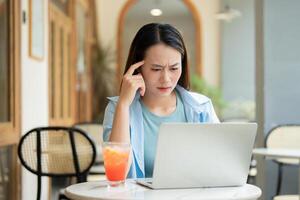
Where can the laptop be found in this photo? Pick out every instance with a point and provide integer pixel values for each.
(190, 155)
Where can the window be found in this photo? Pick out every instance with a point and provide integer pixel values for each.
(69, 62)
(9, 72)
(4, 74)
(83, 65)
(61, 83)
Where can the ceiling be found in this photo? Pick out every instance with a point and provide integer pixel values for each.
(170, 8)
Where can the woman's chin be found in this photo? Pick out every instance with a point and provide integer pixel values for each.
(160, 93)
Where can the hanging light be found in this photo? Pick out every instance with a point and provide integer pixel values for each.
(156, 12)
(228, 14)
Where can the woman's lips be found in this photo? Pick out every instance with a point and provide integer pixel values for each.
(164, 89)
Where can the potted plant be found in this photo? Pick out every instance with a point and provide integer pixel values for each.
(102, 73)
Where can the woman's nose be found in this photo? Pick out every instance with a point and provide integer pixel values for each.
(165, 76)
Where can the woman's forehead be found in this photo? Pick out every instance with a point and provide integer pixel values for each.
(162, 53)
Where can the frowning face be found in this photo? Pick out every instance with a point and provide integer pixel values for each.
(162, 70)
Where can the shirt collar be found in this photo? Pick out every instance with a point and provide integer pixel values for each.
(191, 98)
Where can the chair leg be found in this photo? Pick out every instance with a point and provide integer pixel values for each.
(39, 182)
(279, 180)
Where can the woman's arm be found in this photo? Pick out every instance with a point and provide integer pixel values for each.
(130, 84)
(120, 129)
(113, 116)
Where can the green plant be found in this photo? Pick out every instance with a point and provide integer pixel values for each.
(199, 85)
(103, 75)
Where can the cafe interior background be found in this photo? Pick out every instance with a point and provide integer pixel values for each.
(59, 59)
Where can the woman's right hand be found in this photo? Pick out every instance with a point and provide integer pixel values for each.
(130, 84)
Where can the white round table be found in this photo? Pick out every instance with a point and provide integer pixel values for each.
(98, 190)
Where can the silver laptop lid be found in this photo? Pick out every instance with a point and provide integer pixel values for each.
(203, 155)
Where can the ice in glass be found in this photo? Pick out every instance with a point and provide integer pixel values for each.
(116, 158)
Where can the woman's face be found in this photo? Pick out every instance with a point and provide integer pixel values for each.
(162, 70)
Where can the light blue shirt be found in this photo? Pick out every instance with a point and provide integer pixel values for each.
(151, 124)
(198, 109)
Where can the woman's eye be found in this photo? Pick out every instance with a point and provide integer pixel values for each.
(155, 69)
(174, 68)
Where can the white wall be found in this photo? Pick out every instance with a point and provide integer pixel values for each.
(238, 62)
(34, 97)
(109, 11)
(210, 39)
(108, 15)
(238, 53)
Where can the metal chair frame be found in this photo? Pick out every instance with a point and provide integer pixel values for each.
(93, 170)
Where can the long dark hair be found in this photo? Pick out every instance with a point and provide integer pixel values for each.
(154, 33)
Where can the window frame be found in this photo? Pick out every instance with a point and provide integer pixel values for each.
(55, 106)
(80, 101)
(10, 131)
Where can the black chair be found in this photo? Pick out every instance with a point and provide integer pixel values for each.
(57, 152)
(95, 131)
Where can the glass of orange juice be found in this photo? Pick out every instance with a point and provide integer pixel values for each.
(116, 158)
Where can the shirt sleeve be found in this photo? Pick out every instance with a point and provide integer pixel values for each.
(108, 120)
(213, 118)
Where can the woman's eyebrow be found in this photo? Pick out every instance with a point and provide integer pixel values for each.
(160, 66)
(157, 65)
(174, 65)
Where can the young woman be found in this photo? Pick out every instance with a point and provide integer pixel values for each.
(154, 90)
